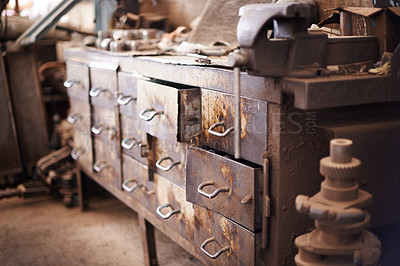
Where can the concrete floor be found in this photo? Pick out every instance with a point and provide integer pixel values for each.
(42, 231)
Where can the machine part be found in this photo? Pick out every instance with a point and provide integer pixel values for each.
(340, 237)
(214, 193)
(39, 29)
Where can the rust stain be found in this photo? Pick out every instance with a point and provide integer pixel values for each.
(228, 175)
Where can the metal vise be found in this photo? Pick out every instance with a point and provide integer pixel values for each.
(289, 49)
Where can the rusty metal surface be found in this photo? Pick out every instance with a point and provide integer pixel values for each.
(242, 203)
(178, 111)
(335, 91)
(219, 107)
(78, 73)
(131, 132)
(81, 110)
(169, 193)
(106, 80)
(177, 153)
(134, 170)
(107, 152)
(242, 243)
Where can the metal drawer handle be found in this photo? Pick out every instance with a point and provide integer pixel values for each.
(152, 112)
(76, 153)
(128, 144)
(211, 130)
(219, 252)
(131, 188)
(215, 193)
(70, 82)
(100, 166)
(124, 99)
(94, 92)
(74, 117)
(166, 216)
(97, 129)
(167, 168)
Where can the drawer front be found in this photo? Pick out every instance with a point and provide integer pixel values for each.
(79, 115)
(219, 107)
(103, 91)
(173, 208)
(218, 237)
(168, 113)
(105, 123)
(82, 152)
(134, 140)
(226, 186)
(169, 161)
(107, 161)
(127, 94)
(77, 82)
(136, 184)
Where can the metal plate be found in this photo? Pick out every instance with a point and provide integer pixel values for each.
(177, 153)
(145, 193)
(131, 131)
(82, 109)
(78, 74)
(169, 193)
(127, 87)
(107, 151)
(106, 81)
(84, 142)
(174, 104)
(242, 203)
(241, 242)
(219, 107)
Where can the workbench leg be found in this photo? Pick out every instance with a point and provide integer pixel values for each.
(82, 190)
(149, 242)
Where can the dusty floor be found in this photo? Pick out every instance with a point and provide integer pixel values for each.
(41, 231)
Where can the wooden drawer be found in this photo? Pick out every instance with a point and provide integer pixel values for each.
(103, 91)
(77, 81)
(136, 182)
(173, 208)
(169, 160)
(107, 161)
(127, 94)
(219, 107)
(169, 113)
(223, 242)
(133, 140)
(82, 151)
(105, 123)
(79, 115)
(226, 186)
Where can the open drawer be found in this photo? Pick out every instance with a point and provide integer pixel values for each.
(218, 114)
(171, 113)
(229, 187)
